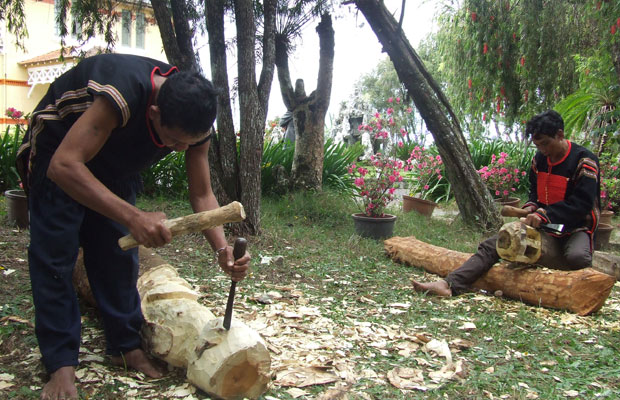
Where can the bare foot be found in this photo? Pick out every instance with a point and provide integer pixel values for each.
(439, 288)
(61, 385)
(138, 360)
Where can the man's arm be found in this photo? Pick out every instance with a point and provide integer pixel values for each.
(201, 198)
(68, 170)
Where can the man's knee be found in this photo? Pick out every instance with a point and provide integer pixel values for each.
(578, 259)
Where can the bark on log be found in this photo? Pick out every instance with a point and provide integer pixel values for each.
(197, 222)
(583, 291)
(231, 364)
(606, 263)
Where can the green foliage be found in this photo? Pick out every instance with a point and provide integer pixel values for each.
(520, 55)
(167, 177)
(9, 144)
(520, 154)
(12, 11)
(275, 153)
(591, 113)
(336, 161)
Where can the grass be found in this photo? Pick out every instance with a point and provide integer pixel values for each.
(358, 315)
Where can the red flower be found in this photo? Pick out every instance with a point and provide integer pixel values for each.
(474, 16)
(522, 60)
(613, 29)
(469, 83)
(485, 49)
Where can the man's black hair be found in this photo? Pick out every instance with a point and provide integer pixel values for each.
(546, 123)
(188, 101)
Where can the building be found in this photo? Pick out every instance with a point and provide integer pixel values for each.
(25, 74)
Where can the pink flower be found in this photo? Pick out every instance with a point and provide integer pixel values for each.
(390, 100)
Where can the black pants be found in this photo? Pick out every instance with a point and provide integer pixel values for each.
(576, 249)
(58, 227)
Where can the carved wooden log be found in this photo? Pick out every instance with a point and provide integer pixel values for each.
(231, 364)
(583, 291)
(521, 243)
(197, 222)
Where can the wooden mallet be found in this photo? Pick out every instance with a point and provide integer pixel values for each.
(197, 222)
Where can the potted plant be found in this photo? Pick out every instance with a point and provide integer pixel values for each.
(16, 202)
(502, 177)
(426, 174)
(375, 187)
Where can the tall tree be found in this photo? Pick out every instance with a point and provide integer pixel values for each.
(474, 200)
(308, 110)
(520, 56)
(177, 20)
(231, 181)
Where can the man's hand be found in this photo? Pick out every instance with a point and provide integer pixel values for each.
(237, 269)
(533, 220)
(149, 230)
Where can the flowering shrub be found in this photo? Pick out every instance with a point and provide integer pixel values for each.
(610, 184)
(10, 141)
(501, 176)
(610, 193)
(13, 113)
(391, 126)
(426, 172)
(376, 187)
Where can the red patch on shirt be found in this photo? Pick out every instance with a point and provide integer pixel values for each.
(551, 188)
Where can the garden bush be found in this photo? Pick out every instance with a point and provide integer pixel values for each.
(10, 141)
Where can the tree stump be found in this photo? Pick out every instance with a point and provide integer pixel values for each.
(228, 364)
(582, 291)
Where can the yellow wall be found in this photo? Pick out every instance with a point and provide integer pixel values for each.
(42, 39)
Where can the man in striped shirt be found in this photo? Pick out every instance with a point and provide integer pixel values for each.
(96, 128)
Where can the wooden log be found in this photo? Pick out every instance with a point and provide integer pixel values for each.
(606, 263)
(582, 291)
(518, 242)
(227, 364)
(232, 212)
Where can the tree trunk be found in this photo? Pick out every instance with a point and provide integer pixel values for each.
(228, 364)
(229, 182)
(308, 111)
(472, 196)
(582, 291)
(223, 150)
(253, 100)
(176, 33)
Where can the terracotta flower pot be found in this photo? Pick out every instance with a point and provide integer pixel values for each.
(606, 217)
(17, 208)
(510, 201)
(602, 235)
(374, 227)
(421, 206)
